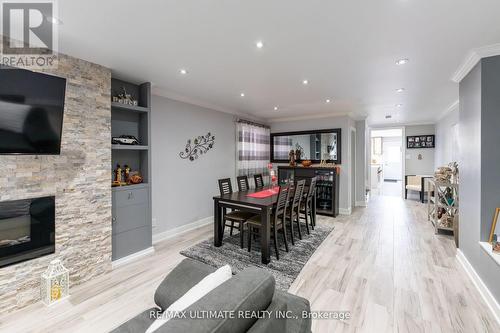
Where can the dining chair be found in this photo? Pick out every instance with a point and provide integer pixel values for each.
(293, 211)
(242, 183)
(307, 202)
(259, 181)
(254, 224)
(234, 216)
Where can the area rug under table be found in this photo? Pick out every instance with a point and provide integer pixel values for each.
(284, 270)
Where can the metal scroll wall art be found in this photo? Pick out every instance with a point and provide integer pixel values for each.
(198, 146)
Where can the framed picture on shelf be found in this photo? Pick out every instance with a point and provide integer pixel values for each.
(420, 141)
(495, 229)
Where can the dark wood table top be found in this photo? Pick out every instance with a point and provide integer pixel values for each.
(243, 198)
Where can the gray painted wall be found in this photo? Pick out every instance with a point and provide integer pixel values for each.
(343, 122)
(479, 121)
(446, 151)
(361, 164)
(490, 139)
(183, 190)
(414, 166)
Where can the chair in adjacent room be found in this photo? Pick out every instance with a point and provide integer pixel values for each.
(259, 181)
(416, 183)
(293, 211)
(254, 224)
(234, 217)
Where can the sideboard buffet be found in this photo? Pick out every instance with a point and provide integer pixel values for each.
(327, 186)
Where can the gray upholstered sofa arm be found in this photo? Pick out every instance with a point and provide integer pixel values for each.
(182, 278)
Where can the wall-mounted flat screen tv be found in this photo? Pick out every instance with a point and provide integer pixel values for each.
(31, 112)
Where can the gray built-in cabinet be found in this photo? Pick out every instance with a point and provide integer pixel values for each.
(131, 205)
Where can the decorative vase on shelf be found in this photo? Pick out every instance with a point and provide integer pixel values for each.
(54, 283)
(298, 155)
(291, 158)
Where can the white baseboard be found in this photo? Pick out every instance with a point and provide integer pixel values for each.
(132, 257)
(182, 229)
(361, 203)
(481, 287)
(345, 211)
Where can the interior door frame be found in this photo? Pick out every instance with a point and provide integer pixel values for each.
(403, 153)
(353, 177)
(387, 168)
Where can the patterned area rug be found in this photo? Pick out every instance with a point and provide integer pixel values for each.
(284, 270)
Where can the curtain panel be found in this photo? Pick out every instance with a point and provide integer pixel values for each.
(252, 149)
(282, 146)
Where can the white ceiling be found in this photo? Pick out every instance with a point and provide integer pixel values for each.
(346, 49)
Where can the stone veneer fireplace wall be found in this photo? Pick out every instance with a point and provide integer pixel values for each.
(80, 180)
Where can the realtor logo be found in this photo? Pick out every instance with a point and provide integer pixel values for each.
(28, 33)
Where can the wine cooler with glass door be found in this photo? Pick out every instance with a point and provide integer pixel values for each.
(327, 185)
(327, 192)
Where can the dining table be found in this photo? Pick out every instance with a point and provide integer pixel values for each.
(245, 201)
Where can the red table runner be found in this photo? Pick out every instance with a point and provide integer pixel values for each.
(265, 193)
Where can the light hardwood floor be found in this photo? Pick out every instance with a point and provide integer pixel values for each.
(383, 263)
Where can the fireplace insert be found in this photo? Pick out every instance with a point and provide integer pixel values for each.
(27, 229)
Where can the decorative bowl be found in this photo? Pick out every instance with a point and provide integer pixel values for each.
(306, 163)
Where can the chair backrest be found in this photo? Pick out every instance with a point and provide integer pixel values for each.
(299, 191)
(242, 183)
(283, 199)
(312, 189)
(225, 186)
(259, 181)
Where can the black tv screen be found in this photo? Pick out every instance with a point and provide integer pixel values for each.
(31, 112)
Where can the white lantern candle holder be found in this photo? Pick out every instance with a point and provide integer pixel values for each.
(54, 283)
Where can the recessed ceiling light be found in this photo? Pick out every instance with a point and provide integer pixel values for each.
(275, 108)
(388, 116)
(242, 95)
(328, 101)
(305, 82)
(400, 90)
(183, 71)
(402, 61)
(399, 105)
(259, 44)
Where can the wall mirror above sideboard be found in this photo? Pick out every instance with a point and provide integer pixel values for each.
(315, 145)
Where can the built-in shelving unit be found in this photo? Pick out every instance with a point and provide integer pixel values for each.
(131, 204)
(132, 147)
(130, 108)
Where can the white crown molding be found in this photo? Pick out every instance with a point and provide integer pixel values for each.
(307, 117)
(198, 102)
(453, 106)
(472, 58)
(401, 125)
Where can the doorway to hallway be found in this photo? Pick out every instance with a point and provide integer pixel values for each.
(387, 162)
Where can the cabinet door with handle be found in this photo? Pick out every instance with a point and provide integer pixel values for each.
(130, 217)
(131, 226)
